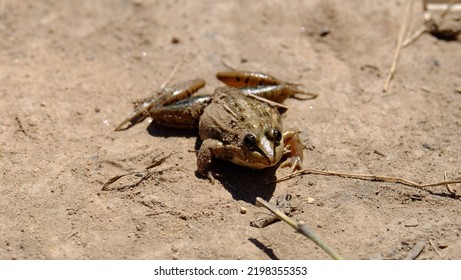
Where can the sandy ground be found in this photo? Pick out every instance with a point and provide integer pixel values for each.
(70, 69)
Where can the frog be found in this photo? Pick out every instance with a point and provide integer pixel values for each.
(240, 122)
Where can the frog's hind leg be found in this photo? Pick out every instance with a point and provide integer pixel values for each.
(263, 85)
(184, 114)
(164, 97)
(240, 79)
(276, 93)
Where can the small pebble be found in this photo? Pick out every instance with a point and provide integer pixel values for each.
(310, 200)
(174, 249)
(443, 245)
(243, 210)
(324, 31)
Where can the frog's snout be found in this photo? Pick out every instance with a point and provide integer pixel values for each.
(271, 150)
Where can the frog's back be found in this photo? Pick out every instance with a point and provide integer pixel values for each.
(233, 114)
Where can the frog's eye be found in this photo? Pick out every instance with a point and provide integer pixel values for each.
(277, 135)
(249, 140)
(274, 135)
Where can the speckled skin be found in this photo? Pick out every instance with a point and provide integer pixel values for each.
(240, 123)
(224, 124)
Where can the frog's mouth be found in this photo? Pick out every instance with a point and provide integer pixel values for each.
(268, 150)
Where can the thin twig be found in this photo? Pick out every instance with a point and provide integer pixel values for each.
(402, 33)
(435, 248)
(449, 188)
(145, 174)
(424, 29)
(438, 251)
(175, 69)
(70, 235)
(301, 228)
(448, 9)
(21, 126)
(368, 177)
(416, 250)
(414, 37)
(283, 202)
(227, 65)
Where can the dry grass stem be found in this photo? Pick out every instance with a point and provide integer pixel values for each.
(301, 228)
(424, 29)
(416, 250)
(402, 33)
(368, 177)
(414, 37)
(145, 174)
(175, 69)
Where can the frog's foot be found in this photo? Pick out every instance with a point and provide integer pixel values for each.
(211, 177)
(292, 90)
(166, 96)
(140, 112)
(295, 160)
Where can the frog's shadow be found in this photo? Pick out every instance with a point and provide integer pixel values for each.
(242, 183)
(165, 132)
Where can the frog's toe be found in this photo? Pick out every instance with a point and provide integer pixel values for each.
(211, 177)
(295, 162)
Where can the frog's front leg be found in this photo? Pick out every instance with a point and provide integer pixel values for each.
(291, 138)
(208, 150)
(166, 96)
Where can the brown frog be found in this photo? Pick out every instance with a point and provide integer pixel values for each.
(240, 123)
